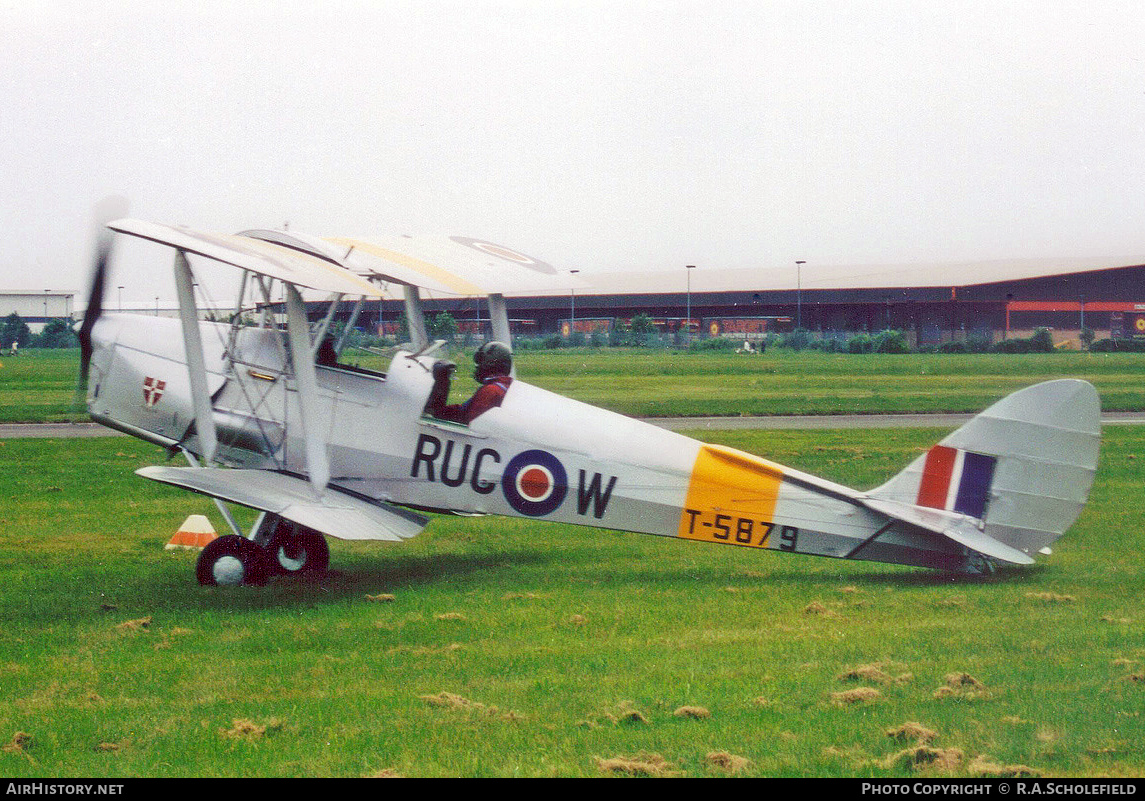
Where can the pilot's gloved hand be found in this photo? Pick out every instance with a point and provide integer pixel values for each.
(443, 370)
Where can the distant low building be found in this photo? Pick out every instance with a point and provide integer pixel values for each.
(36, 308)
(930, 303)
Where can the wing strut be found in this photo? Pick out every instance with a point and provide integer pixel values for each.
(196, 362)
(350, 324)
(317, 462)
(415, 318)
(320, 334)
(499, 317)
(224, 510)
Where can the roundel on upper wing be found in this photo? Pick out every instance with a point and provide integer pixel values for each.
(507, 254)
(535, 483)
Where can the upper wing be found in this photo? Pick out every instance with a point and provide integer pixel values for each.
(455, 265)
(309, 269)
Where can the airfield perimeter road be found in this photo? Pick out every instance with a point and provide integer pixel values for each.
(65, 430)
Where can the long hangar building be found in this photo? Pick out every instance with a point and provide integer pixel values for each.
(930, 303)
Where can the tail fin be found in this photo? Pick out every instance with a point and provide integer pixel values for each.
(1016, 476)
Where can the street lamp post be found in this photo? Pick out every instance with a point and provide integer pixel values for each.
(688, 314)
(799, 293)
(572, 307)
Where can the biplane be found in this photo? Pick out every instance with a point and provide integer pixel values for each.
(268, 418)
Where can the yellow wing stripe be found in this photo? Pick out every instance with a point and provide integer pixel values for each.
(459, 285)
(280, 253)
(731, 498)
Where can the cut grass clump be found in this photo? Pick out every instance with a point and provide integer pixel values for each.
(926, 759)
(961, 685)
(643, 764)
(692, 712)
(912, 732)
(859, 695)
(729, 763)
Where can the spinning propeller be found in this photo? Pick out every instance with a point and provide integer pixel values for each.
(108, 209)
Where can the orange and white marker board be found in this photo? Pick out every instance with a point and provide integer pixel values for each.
(196, 532)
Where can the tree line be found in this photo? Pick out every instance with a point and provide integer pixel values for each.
(57, 333)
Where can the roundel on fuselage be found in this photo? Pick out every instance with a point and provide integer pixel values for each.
(535, 483)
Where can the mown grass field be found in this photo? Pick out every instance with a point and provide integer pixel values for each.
(529, 649)
(40, 386)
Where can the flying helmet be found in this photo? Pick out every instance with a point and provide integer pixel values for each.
(492, 358)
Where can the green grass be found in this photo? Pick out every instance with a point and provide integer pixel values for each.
(564, 627)
(647, 384)
(40, 386)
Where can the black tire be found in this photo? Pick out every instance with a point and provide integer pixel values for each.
(230, 561)
(298, 550)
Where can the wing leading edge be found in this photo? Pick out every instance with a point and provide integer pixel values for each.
(336, 513)
(273, 260)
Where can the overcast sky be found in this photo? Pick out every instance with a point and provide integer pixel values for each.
(594, 135)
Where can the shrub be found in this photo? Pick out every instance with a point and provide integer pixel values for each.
(890, 341)
(56, 334)
(1118, 346)
(954, 346)
(860, 343)
(980, 341)
(15, 330)
(443, 326)
(1042, 341)
(716, 343)
(1018, 345)
(797, 340)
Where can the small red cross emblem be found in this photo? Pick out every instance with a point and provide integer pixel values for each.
(152, 391)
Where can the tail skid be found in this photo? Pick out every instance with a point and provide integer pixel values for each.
(1011, 480)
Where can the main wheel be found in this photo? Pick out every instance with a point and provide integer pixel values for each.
(230, 561)
(298, 550)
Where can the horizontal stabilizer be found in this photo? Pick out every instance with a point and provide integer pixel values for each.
(336, 513)
(958, 527)
(976, 540)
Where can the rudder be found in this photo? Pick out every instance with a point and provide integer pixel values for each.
(1023, 467)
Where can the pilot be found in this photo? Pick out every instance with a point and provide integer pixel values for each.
(493, 362)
